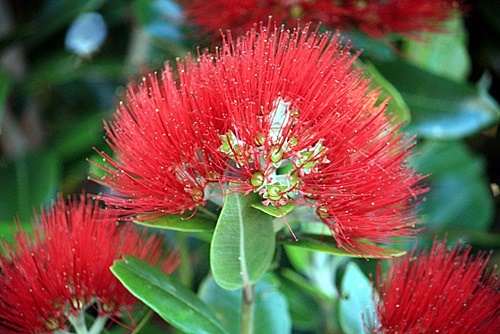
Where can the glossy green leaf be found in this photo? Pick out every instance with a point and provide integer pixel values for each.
(396, 105)
(271, 307)
(78, 138)
(356, 305)
(320, 267)
(27, 183)
(326, 244)
(302, 297)
(179, 223)
(299, 258)
(272, 210)
(172, 301)
(243, 243)
(459, 196)
(305, 284)
(8, 230)
(440, 108)
(373, 48)
(444, 54)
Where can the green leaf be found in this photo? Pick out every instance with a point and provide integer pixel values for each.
(8, 230)
(396, 105)
(302, 300)
(356, 301)
(243, 243)
(373, 48)
(298, 257)
(319, 267)
(78, 138)
(460, 196)
(326, 244)
(179, 223)
(272, 210)
(171, 300)
(271, 307)
(306, 285)
(440, 108)
(444, 54)
(27, 183)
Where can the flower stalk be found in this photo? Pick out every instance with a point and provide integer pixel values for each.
(78, 322)
(247, 318)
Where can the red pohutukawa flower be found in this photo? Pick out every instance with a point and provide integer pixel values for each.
(48, 281)
(374, 17)
(278, 113)
(446, 291)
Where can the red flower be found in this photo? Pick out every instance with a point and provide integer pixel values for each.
(406, 17)
(282, 114)
(374, 17)
(50, 279)
(446, 291)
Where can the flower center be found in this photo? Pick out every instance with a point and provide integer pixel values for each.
(276, 162)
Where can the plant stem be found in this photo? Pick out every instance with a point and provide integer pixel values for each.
(98, 324)
(207, 213)
(78, 322)
(330, 325)
(247, 310)
(185, 267)
(144, 321)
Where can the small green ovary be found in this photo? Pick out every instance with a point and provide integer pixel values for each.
(257, 179)
(232, 146)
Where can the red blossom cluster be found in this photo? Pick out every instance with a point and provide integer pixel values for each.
(63, 269)
(280, 113)
(446, 291)
(374, 17)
